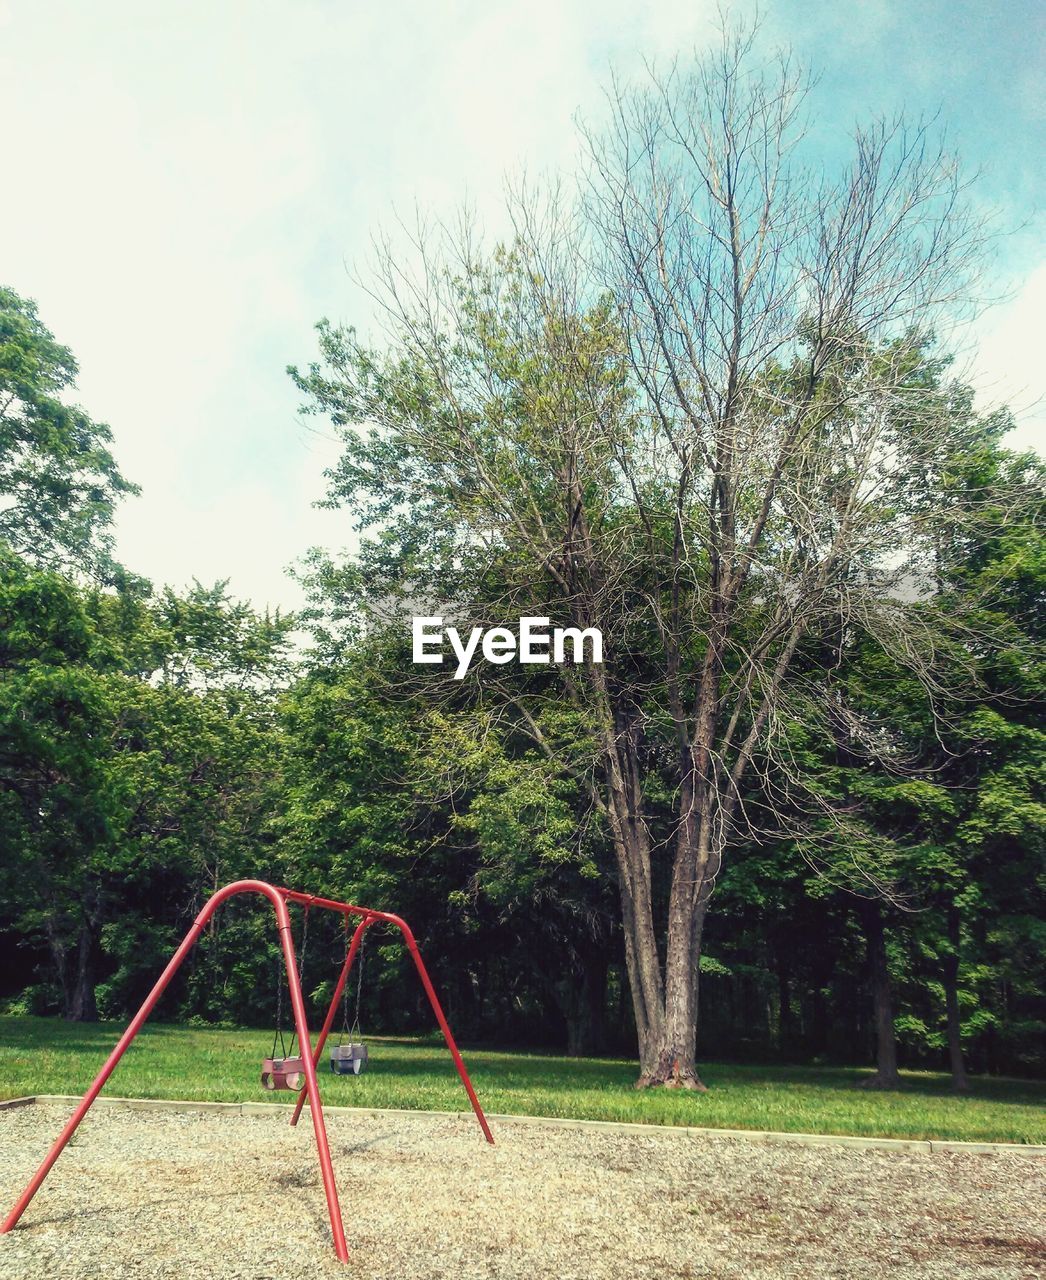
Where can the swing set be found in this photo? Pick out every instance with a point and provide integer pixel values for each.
(289, 1070)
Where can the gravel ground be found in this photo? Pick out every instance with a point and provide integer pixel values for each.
(148, 1194)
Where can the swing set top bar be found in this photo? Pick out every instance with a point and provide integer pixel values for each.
(278, 897)
(344, 908)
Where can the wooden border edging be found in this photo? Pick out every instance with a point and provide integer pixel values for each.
(924, 1145)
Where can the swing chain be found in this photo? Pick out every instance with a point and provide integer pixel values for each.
(355, 1029)
(278, 1036)
(345, 1033)
(301, 961)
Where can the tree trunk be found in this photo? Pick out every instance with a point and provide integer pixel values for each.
(585, 1008)
(665, 1005)
(960, 1080)
(81, 1005)
(785, 1022)
(624, 806)
(886, 1075)
(60, 960)
(671, 1059)
(818, 1039)
(665, 1009)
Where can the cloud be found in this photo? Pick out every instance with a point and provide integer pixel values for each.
(191, 183)
(187, 183)
(1008, 365)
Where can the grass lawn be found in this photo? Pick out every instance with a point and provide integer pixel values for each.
(43, 1055)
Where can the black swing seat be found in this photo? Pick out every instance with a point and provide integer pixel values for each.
(348, 1059)
(282, 1073)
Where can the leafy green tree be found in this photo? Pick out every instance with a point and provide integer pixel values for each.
(462, 829)
(124, 795)
(58, 481)
(942, 756)
(706, 473)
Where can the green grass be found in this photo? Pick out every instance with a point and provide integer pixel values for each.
(42, 1055)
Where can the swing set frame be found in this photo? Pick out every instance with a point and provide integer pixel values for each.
(310, 1091)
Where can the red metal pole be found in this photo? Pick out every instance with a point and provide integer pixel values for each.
(283, 922)
(370, 917)
(328, 1022)
(330, 1189)
(444, 1026)
(279, 898)
(110, 1064)
(328, 904)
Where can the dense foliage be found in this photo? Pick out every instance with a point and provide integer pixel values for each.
(155, 745)
(58, 480)
(697, 409)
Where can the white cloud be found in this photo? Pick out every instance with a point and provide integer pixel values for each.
(1008, 363)
(186, 183)
(190, 183)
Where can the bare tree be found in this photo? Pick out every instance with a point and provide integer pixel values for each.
(684, 415)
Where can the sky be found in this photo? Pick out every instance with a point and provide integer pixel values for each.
(187, 188)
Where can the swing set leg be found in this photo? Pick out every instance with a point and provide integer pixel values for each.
(444, 1026)
(322, 1145)
(330, 1189)
(430, 991)
(328, 1022)
(310, 1056)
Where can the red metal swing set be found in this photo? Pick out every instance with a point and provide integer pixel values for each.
(310, 1056)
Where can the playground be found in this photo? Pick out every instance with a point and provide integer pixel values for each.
(209, 1193)
(167, 1188)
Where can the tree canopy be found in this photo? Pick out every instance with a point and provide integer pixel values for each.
(704, 405)
(59, 482)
